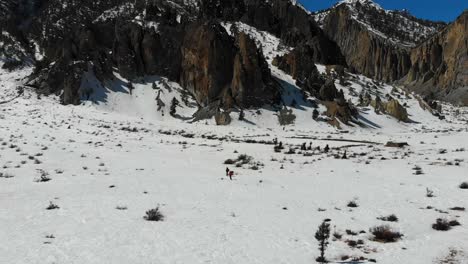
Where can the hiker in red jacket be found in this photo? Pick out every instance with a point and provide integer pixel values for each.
(231, 173)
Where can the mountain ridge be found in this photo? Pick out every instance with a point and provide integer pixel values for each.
(146, 37)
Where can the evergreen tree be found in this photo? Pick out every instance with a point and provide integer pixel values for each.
(174, 104)
(322, 235)
(315, 114)
(241, 115)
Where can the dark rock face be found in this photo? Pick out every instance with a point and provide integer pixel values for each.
(184, 41)
(299, 65)
(99, 36)
(439, 66)
(207, 61)
(328, 91)
(252, 84)
(291, 23)
(365, 52)
(128, 50)
(215, 66)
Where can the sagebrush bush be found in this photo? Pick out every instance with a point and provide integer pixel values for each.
(229, 162)
(52, 206)
(385, 234)
(154, 215)
(444, 224)
(441, 225)
(464, 185)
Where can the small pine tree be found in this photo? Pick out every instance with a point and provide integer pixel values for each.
(174, 104)
(322, 235)
(130, 88)
(315, 114)
(241, 115)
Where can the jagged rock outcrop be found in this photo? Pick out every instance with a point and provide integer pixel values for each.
(392, 108)
(395, 109)
(338, 111)
(439, 66)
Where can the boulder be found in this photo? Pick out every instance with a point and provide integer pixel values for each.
(395, 109)
(222, 118)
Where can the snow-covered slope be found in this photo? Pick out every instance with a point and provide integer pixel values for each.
(106, 168)
(76, 181)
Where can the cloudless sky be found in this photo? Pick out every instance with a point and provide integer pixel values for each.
(441, 10)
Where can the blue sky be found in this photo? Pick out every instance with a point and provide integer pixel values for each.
(445, 10)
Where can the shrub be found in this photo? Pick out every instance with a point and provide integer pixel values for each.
(454, 223)
(352, 243)
(52, 206)
(457, 208)
(429, 193)
(444, 224)
(6, 175)
(385, 234)
(337, 235)
(464, 185)
(229, 162)
(244, 159)
(154, 215)
(389, 218)
(353, 204)
(44, 176)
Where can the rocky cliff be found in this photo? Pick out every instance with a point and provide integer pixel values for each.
(393, 46)
(366, 52)
(181, 39)
(374, 41)
(185, 41)
(439, 66)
